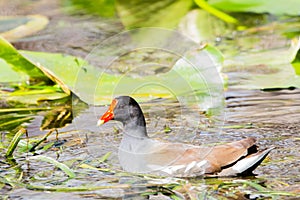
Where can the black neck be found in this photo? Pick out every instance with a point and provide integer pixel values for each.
(135, 127)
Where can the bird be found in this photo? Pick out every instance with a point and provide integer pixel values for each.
(139, 153)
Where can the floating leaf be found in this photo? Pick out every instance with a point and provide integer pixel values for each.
(94, 86)
(192, 71)
(263, 70)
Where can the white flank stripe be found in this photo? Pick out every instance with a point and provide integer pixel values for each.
(172, 169)
(190, 166)
(202, 163)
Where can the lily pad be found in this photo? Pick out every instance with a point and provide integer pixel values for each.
(263, 70)
(96, 87)
(196, 71)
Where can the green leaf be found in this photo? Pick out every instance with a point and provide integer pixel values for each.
(8, 110)
(278, 7)
(33, 97)
(61, 166)
(153, 13)
(14, 67)
(11, 123)
(7, 74)
(103, 8)
(94, 86)
(296, 65)
(19, 63)
(295, 56)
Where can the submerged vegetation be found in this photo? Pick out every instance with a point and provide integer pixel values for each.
(47, 96)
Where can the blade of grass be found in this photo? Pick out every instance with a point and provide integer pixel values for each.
(47, 146)
(31, 92)
(6, 181)
(105, 157)
(7, 110)
(223, 16)
(24, 145)
(282, 193)
(61, 166)
(252, 184)
(40, 141)
(264, 190)
(86, 166)
(14, 143)
(16, 121)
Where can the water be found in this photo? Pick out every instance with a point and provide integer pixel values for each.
(270, 116)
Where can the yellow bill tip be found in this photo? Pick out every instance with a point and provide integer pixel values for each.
(100, 122)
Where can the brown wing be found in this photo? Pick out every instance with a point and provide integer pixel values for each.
(177, 159)
(226, 154)
(188, 156)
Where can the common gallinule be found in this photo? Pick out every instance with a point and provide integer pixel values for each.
(139, 153)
